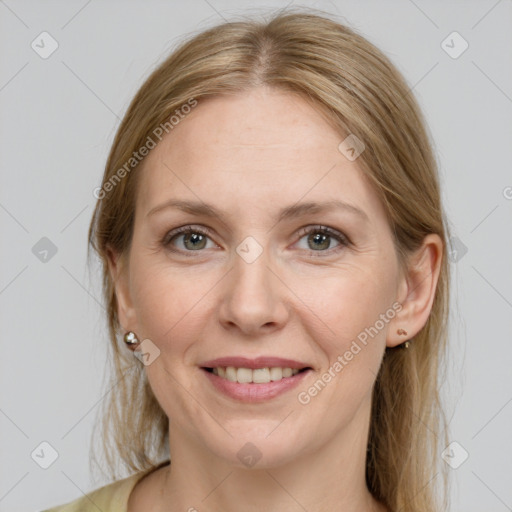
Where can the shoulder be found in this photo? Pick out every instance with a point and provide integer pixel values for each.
(112, 497)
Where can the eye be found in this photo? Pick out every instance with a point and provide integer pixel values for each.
(194, 238)
(319, 239)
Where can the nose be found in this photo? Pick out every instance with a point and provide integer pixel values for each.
(254, 299)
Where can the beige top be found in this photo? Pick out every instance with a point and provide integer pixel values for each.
(110, 498)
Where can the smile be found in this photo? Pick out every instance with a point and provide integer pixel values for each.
(254, 385)
(256, 376)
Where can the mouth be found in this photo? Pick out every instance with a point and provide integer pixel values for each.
(257, 384)
(264, 375)
(253, 380)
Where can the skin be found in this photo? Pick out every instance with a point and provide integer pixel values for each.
(250, 155)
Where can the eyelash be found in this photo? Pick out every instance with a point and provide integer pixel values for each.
(339, 237)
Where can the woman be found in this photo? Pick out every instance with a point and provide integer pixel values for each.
(274, 253)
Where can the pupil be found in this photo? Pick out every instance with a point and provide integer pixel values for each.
(194, 237)
(320, 237)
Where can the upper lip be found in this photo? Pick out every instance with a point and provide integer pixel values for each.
(259, 362)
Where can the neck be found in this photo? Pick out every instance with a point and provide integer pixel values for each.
(330, 476)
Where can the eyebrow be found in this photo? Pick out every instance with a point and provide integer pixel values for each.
(287, 213)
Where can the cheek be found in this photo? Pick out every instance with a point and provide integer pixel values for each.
(349, 300)
(354, 306)
(166, 300)
(352, 339)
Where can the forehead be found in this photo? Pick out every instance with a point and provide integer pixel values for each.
(255, 148)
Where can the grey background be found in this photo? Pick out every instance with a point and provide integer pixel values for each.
(58, 119)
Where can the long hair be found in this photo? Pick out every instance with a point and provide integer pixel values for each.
(356, 87)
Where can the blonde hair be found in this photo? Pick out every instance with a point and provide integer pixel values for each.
(356, 87)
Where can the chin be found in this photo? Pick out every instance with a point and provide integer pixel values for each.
(259, 448)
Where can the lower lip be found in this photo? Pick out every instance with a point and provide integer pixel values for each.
(250, 392)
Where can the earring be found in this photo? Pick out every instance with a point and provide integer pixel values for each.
(131, 339)
(403, 332)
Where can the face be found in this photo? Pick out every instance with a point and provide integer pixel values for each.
(252, 283)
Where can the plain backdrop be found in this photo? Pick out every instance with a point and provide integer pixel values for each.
(58, 119)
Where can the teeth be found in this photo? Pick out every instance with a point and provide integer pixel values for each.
(276, 374)
(260, 375)
(231, 373)
(257, 376)
(243, 375)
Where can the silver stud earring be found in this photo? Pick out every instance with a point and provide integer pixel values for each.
(131, 339)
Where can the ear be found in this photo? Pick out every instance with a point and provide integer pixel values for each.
(119, 273)
(416, 290)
